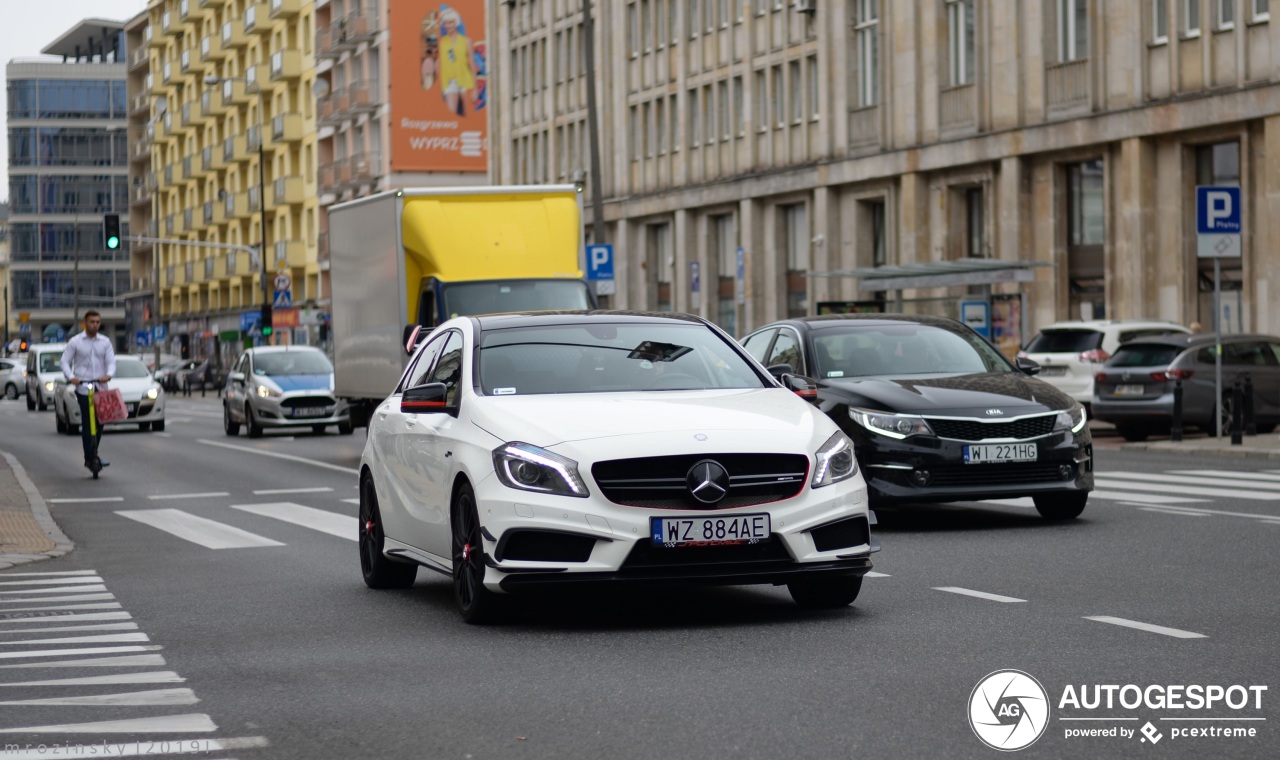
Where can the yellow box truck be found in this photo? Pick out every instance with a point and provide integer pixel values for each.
(421, 256)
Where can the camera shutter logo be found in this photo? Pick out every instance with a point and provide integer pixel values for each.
(1009, 710)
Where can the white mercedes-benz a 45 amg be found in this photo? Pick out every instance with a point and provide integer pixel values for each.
(523, 451)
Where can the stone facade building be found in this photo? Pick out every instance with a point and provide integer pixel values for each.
(826, 136)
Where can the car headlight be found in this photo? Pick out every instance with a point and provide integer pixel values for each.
(835, 461)
(49, 386)
(893, 425)
(529, 468)
(265, 392)
(1073, 419)
(153, 393)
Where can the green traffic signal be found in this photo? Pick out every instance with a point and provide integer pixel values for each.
(111, 231)
(267, 326)
(113, 243)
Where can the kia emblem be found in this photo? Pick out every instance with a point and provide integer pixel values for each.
(994, 412)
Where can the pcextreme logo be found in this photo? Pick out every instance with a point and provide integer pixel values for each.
(1008, 710)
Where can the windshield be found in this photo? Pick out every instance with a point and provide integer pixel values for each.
(291, 363)
(50, 361)
(1065, 342)
(128, 368)
(906, 349)
(469, 298)
(601, 358)
(1139, 355)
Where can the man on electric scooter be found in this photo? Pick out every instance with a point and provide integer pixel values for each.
(88, 359)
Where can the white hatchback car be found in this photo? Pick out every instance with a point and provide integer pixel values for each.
(143, 397)
(1069, 353)
(526, 451)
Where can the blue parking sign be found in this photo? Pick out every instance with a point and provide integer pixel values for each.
(1218, 210)
(600, 262)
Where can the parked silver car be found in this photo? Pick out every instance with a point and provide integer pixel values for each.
(282, 387)
(1134, 390)
(13, 376)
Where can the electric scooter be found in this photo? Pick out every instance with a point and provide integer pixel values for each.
(95, 463)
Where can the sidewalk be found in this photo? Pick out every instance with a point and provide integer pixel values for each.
(27, 532)
(1261, 446)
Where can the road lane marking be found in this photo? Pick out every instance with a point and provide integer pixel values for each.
(1110, 482)
(125, 661)
(76, 616)
(81, 598)
(60, 572)
(83, 650)
(1183, 512)
(1021, 501)
(1147, 498)
(149, 698)
(874, 574)
(161, 724)
(351, 501)
(89, 627)
(160, 676)
(58, 590)
(97, 500)
(149, 748)
(106, 638)
(277, 455)
(198, 530)
(342, 526)
(1165, 478)
(1252, 515)
(1230, 475)
(978, 594)
(53, 581)
(1174, 632)
(207, 495)
(280, 491)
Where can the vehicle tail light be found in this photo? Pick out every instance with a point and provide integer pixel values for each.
(1095, 356)
(1100, 377)
(1172, 374)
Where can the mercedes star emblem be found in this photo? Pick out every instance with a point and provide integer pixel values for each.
(708, 481)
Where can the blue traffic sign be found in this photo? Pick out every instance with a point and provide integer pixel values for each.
(283, 299)
(250, 320)
(600, 262)
(1218, 210)
(142, 338)
(159, 333)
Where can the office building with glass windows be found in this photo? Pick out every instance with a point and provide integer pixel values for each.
(68, 167)
(1056, 142)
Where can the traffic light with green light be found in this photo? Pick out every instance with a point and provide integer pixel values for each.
(267, 327)
(111, 231)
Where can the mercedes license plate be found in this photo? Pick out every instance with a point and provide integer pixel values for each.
(1130, 390)
(708, 530)
(308, 411)
(1000, 452)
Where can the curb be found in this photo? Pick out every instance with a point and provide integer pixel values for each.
(40, 512)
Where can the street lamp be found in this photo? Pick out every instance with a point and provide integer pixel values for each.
(213, 80)
(162, 106)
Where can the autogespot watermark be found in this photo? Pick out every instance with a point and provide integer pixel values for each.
(1009, 710)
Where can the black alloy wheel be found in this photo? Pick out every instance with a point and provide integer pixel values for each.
(255, 430)
(11, 391)
(229, 426)
(477, 604)
(1061, 506)
(378, 571)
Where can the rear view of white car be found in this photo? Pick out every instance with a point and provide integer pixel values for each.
(1069, 353)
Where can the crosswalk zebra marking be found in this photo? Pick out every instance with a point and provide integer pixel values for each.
(89, 627)
(164, 724)
(83, 650)
(118, 679)
(282, 491)
(1142, 497)
(74, 616)
(106, 638)
(59, 590)
(149, 748)
(1184, 513)
(342, 526)
(149, 698)
(80, 598)
(1195, 480)
(198, 530)
(59, 572)
(51, 581)
(1111, 481)
(1230, 475)
(122, 661)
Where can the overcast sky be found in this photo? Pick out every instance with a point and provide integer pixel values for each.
(26, 26)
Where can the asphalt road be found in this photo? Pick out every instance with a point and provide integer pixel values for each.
(277, 650)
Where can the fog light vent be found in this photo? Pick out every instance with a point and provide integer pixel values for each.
(921, 478)
(1066, 471)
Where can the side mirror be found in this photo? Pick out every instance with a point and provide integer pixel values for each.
(800, 385)
(1027, 366)
(236, 377)
(424, 399)
(411, 333)
(778, 370)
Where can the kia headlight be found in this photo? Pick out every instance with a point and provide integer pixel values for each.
(897, 426)
(835, 461)
(526, 467)
(265, 391)
(1073, 419)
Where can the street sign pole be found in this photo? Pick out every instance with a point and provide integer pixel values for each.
(1217, 355)
(1218, 229)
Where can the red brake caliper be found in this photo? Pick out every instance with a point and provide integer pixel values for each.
(466, 552)
(368, 527)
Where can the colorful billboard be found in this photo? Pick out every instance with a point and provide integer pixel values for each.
(439, 72)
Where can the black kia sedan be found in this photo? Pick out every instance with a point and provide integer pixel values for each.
(935, 412)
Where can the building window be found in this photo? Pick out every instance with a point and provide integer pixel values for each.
(1218, 164)
(1261, 10)
(694, 13)
(726, 116)
(646, 26)
(635, 133)
(975, 218)
(814, 110)
(633, 29)
(738, 106)
(960, 41)
(795, 240)
(1159, 21)
(797, 93)
(709, 114)
(724, 244)
(762, 102)
(779, 108)
(662, 263)
(1226, 14)
(1086, 235)
(695, 129)
(867, 40)
(661, 106)
(1191, 12)
(878, 248)
(1073, 30)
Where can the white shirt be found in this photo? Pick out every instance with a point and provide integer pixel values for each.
(88, 359)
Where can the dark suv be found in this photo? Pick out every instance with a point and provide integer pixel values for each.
(1134, 389)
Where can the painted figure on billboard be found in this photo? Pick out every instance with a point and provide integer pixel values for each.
(449, 56)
